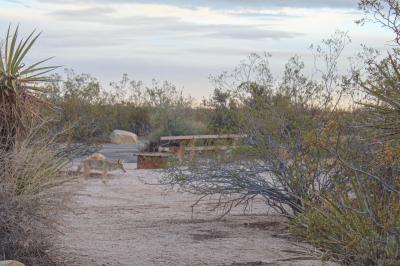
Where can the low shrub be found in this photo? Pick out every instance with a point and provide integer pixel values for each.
(28, 200)
(364, 230)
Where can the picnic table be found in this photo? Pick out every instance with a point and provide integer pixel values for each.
(188, 143)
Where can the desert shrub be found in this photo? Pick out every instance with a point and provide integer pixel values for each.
(362, 231)
(28, 166)
(29, 201)
(358, 223)
(171, 114)
(291, 127)
(91, 112)
(333, 172)
(224, 115)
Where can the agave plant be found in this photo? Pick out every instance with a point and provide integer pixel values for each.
(20, 85)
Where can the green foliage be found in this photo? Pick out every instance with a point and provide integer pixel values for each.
(223, 118)
(16, 77)
(383, 95)
(171, 114)
(18, 90)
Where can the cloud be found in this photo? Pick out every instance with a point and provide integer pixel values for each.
(179, 40)
(102, 15)
(83, 13)
(11, 1)
(251, 33)
(145, 26)
(263, 15)
(238, 4)
(15, 2)
(233, 4)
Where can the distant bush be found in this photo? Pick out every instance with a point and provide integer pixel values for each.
(224, 115)
(174, 117)
(91, 112)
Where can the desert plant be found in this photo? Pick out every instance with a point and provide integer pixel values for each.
(29, 199)
(358, 223)
(383, 12)
(383, 96)
(92, 111)
(223, 118)
(290, 127)
(18, 86)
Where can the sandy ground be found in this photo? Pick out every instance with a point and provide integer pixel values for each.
(131, 222)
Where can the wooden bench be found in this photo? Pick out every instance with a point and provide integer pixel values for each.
(188, 143)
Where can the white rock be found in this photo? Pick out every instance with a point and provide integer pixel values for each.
(123, 137)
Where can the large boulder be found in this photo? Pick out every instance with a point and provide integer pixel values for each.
(123, 137)
(11, 263)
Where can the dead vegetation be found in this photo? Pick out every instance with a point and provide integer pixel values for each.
(28, 201)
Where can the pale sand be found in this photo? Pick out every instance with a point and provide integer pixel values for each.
(128, 222)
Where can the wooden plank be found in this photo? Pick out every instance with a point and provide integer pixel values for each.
(197, 148)
(193, 137)
(209, 148)
(153, 154)
(181, 151)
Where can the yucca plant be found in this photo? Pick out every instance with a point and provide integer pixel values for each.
(20, 86)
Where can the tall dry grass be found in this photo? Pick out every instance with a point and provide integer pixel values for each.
(29, 200)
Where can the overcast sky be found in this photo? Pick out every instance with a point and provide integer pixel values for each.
(183, 41)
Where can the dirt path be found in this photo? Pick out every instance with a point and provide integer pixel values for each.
(129, 222)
